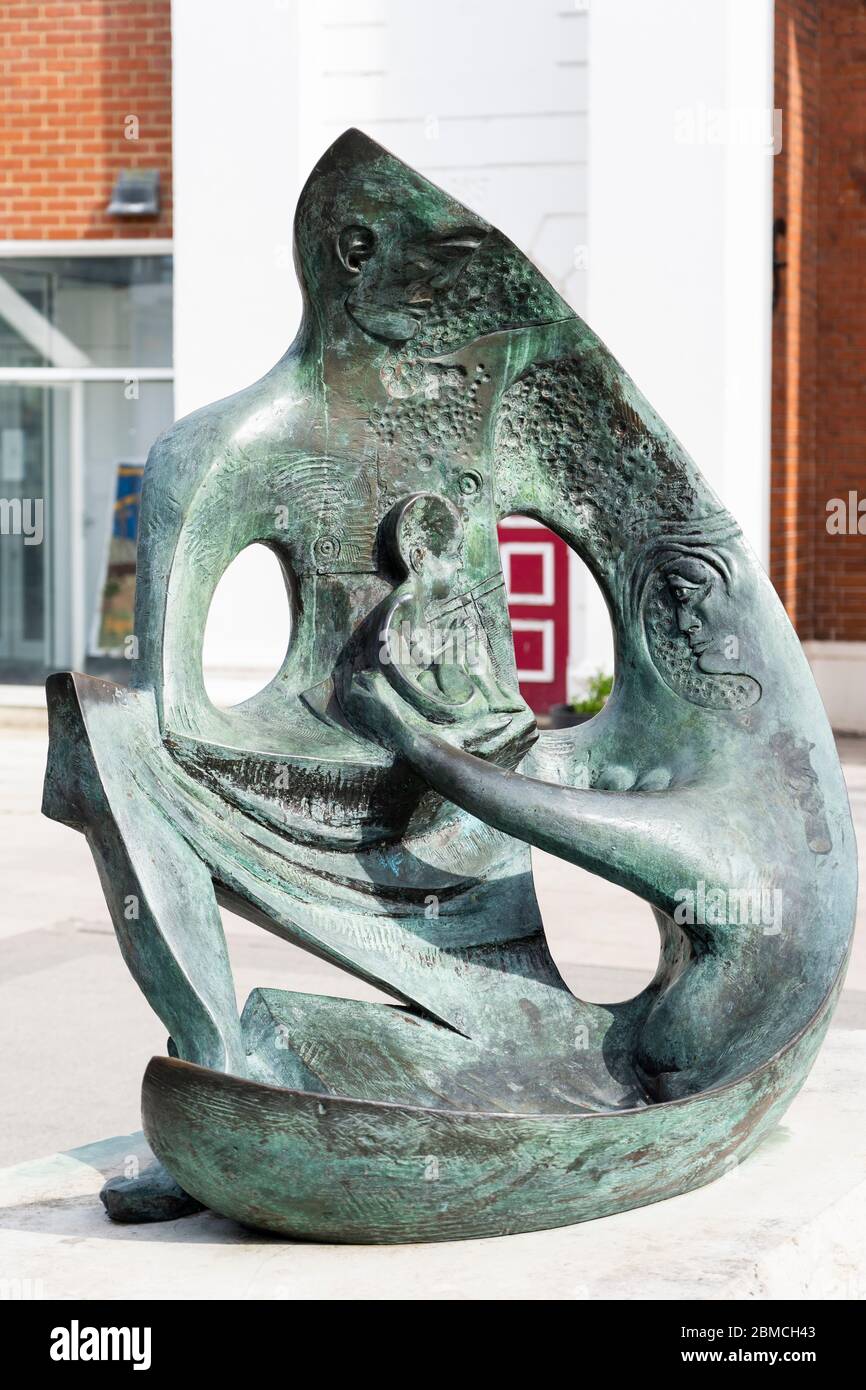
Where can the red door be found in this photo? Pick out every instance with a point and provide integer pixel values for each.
(535, 564)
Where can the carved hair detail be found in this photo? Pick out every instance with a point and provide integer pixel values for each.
(703, 539)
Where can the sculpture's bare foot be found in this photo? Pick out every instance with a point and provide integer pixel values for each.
(152, 1196)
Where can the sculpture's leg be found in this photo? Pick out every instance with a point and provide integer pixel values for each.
(168, 925)
(158, 891)
(160, 897)
(165, 915)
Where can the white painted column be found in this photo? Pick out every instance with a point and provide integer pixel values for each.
(236, 181)
(755, 137)
(237, 307)
(680, 218)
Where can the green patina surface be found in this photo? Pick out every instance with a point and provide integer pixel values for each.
(375, 803)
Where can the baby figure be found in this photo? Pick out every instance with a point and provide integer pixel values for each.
(439, 665)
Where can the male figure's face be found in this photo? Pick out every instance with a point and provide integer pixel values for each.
(399, 273)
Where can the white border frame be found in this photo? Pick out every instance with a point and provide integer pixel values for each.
(545, 673)
(32, 376)
(102, 246)
(548, 587)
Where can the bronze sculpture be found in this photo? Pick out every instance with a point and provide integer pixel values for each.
(375, 802)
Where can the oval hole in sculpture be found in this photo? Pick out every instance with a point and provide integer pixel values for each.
(559, 619)
(604, 940)
(248, 628)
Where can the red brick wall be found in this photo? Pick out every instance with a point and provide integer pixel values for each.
(840, 561)
(70, 74)
(819, 328)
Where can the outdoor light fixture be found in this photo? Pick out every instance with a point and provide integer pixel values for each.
(135, 194)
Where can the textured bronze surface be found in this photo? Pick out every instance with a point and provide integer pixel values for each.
(375, 803)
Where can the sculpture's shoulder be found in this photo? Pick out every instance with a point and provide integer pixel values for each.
(184, 454)
(194, 471)
(267, 417)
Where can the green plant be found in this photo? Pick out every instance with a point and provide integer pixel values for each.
(598, 687)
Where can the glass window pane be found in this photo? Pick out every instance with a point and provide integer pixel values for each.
(41, 570)
(32, 419)
(80, 311)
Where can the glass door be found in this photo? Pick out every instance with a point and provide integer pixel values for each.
(34, 440)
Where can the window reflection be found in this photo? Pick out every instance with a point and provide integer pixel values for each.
(80, 311)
